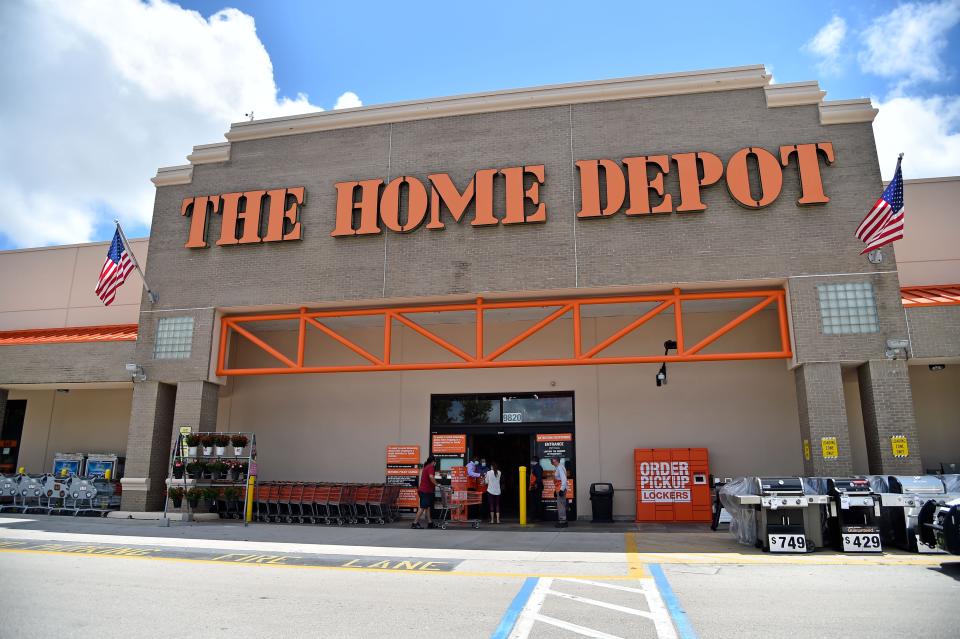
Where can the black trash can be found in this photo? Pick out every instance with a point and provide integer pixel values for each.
(601, 498)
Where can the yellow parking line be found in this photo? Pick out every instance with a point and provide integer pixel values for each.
(635, 569)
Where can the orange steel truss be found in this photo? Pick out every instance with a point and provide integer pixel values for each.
(481, 358)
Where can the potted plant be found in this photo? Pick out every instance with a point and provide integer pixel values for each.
(231, 496)
(176, 496)
(212, 495)
(216, 469)
(195, 469)
(193, 496)
(178, 469)
(239, 442)
(221, 441)
(193, 440)
(207, 442)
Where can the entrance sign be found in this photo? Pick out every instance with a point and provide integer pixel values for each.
(753, 177)
(555, 445)
(403, 469)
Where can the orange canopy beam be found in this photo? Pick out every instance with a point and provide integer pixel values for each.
(482, 360)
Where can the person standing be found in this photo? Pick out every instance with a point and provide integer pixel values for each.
(492, 479)
(535, 495)
(560, 485)
(427, 489)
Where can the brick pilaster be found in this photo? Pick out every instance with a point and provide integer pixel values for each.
(823, 413)
(887, 402)
(148, 445)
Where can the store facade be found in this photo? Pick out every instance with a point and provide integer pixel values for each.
(344, 281)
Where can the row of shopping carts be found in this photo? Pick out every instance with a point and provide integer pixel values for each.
(53, 495)
(327, 503)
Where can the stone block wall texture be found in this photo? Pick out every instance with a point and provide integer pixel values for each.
(196, 406)
(64, 363)
(887, 402)
(823, 413)
(148, 443)
(934, 331)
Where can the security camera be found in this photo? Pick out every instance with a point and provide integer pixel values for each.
(136, 373)
(898, 343)
(662, 376)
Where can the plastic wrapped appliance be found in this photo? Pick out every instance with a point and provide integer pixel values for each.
(98, 464)
(787, 518)
(900, 504)
(854, 522)
(67, 464)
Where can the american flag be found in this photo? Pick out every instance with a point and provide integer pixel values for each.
(115, 270)
(884, 222)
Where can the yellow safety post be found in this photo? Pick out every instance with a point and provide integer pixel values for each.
(523, 495)
(248, 516)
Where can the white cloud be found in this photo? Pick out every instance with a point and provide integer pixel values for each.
(826, 44)
(925, 130)
(909, 41)
(348, 100)
(102, 94)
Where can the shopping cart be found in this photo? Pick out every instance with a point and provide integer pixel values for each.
(456, 501)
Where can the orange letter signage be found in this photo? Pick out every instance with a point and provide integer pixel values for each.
(808, 164)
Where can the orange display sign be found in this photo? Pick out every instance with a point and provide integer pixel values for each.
(672, 484)
(408, 498)
(450, 444)
(554, 437)
(550, 488)
(403, 455)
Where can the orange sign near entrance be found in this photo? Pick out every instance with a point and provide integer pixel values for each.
(672, 484)
(450, 444)
(403, 455)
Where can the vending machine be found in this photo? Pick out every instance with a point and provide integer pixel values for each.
(98, 465)
(68, 464)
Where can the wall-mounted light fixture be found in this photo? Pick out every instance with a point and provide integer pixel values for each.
(662, 373)
(896, 347)
(937, 367)
(136, 373)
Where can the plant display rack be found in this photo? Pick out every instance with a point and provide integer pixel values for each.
(184, 455)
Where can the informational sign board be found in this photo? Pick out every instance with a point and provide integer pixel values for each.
(403, 455)
(184, 430)
(829, 447)
(403, 470)
(899, 447)
(449, 445)
(806, 449)
(555, 445)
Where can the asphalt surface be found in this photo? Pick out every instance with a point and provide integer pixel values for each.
(106, 578)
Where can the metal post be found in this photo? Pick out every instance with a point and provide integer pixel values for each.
(523, 495)
(248, 516)
(133, 258)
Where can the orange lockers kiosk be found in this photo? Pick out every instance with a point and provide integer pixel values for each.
(672, 484)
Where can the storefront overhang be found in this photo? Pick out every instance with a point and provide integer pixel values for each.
(484, 356)
(922, 296)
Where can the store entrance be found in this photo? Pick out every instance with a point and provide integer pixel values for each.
(509, 451)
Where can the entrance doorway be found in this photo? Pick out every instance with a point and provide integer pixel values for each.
(510, 429)
(509, 451)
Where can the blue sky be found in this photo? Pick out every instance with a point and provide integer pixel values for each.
(103, 93)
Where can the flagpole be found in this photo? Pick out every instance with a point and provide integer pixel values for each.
(123, 237)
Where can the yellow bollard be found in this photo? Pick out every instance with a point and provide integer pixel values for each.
(523, 495)
(248, 516)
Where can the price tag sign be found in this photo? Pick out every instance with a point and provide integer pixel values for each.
(829, 447)
(899, 447)
(787, 543)
(861, 543)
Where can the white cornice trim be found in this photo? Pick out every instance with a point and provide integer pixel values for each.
(171, 175)
(847, 111)
(209, 153)
(794, 94)
(553, 95)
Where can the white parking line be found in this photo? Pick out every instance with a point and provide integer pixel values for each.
(531, 614)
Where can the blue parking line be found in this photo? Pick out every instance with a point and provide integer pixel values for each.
(679, 616)
(516, 607)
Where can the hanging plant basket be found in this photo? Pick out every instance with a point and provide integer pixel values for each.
(239, 443)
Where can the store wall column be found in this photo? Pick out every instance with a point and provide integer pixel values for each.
(196, 407)
(823, 413)
(148, 446)
(887, 402)
(4, 393)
